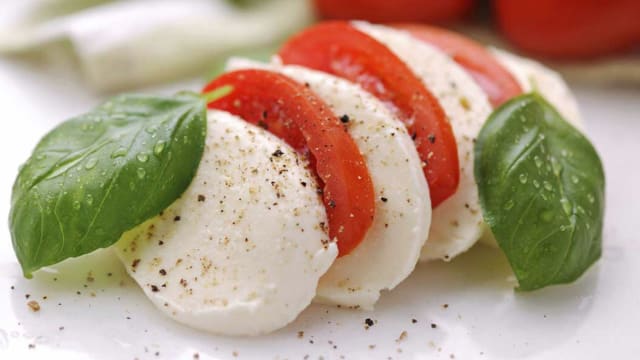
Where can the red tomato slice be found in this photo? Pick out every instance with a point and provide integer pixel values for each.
(396, 10)
(340, 49)
(292, 112)
(496, 81)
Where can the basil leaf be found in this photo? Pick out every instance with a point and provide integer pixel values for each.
(100, 174)
(541, 187)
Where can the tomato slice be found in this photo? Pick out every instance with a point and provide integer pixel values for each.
(295, 114)
(340, 49)
(496, 81)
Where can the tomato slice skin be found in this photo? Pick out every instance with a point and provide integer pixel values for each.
(496, 81)
(295, 114)
(338, 48)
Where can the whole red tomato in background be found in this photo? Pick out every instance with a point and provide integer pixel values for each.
(566, 29)
(395, 10)
(570, 28)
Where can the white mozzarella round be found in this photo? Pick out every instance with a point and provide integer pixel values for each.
(391, 248)
(241, 251)
(457, 223)
(532, 75)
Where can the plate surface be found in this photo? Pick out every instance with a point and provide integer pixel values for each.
(466, 309)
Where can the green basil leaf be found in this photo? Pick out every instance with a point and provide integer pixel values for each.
(541, 187)
(100, 174)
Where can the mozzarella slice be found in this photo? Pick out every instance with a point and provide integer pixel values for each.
(532, 75)
(241, 252)
(391, 249)
(457, 223)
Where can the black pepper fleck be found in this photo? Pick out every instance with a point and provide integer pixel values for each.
(344, 118)
(177, 218)
(154, 288)
(432, 138)
(163, 272)
(368, 322)
(332, 204)
(433, 326)
(277, 153)
(384, 199)
(201, 198)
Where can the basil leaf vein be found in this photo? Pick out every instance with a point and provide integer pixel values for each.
(541, 187)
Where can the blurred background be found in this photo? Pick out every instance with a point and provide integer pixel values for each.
(111, 46)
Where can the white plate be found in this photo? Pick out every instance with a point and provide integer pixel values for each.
(465, 309)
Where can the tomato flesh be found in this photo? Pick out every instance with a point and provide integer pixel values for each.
(295, 114)
(496, 81)
(340, 49)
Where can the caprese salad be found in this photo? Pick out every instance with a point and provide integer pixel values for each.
(324, 175)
